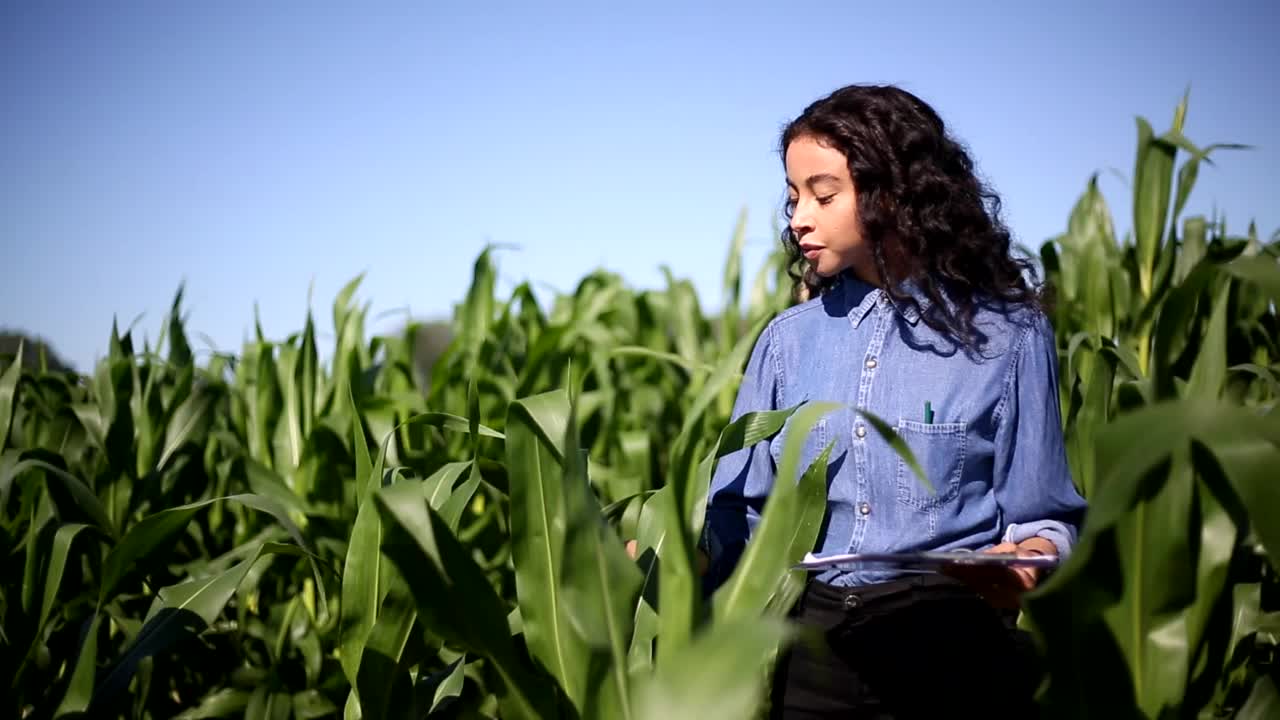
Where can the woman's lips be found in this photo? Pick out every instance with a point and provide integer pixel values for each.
(810, 251)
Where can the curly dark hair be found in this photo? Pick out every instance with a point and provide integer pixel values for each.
(929, 218)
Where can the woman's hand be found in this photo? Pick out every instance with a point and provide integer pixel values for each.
(703, 562)
(1003, 586)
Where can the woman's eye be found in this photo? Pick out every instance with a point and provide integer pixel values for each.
(825, 200)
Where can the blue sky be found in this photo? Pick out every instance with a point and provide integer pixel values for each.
(255, 149)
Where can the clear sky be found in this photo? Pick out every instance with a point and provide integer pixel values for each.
(253, 149)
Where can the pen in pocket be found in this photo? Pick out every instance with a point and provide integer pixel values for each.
(928, 413)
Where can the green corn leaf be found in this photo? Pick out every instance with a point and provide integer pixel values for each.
(179, 348)
(438, 488)
(811, 508)
(1153, 550)
(81, 688)
(41, 514)
(59, 551)
(90, 417)
(684, 317)
(672, 358)
(1137, 594)
(454, 599)
(679, 590)
(454, 423)
(538, 522)
(886, 432)
(364, 465)
(288, 438)
(451, 686)
(362, 568)
(1152, 180)
(1219, 536)
(1172, 327)
(1266, 375)
(698, 682)
(786, 531)
(147, 421)
(477, 309)
(1259, 270)
(360, 588)
(265, 482)
(453, 507)
(1193, 248)
(1210, 371)
(650, 534)
(306, 379)
(267, 705)
(379, 671)
(348, 323)
(264, 408)
(154, 533)
(1248, 460)
(744, 432)
(312, 705)
(1136, 442)
(601, 585)
(180, 612)
(226, 702)
(456, 504)
(83, 497)
(187, 423)
(725, 373)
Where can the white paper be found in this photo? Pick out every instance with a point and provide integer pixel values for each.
(933, 559)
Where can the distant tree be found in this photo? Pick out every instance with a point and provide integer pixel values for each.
(32, 346)
(430, 340)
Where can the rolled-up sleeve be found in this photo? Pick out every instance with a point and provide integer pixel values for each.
(1033, 483)
(743, 478)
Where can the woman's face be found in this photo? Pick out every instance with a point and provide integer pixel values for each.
(824, 217)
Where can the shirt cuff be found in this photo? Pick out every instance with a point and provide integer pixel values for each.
(1054, 531)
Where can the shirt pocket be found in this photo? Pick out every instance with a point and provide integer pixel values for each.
(940, 450)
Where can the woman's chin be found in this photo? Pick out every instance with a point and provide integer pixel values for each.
(825, 271)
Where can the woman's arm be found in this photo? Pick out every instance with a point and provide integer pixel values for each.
(742, 478)
(1033, 484)
(1040, 507)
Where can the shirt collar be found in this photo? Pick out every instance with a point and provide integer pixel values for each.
(861, 297)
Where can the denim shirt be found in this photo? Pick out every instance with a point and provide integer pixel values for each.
(994, 451)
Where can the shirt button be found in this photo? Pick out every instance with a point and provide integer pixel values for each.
(865, 508)
(860, 431)
(871, 362)
(884, 300)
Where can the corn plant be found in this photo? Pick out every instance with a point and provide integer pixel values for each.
(266, 534)
(1171, 348)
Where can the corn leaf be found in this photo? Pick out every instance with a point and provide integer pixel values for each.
(786, 530)
(697, 682)
(538, 525)
(454, 600)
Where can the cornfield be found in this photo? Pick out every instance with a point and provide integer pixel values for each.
(266, 535)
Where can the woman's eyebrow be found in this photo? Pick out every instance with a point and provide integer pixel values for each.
(815, 179)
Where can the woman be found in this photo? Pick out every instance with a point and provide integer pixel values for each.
(915, 310)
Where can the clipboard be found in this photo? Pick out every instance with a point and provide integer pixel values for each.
(924, 560)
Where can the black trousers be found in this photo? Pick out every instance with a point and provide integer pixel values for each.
(922, 647)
